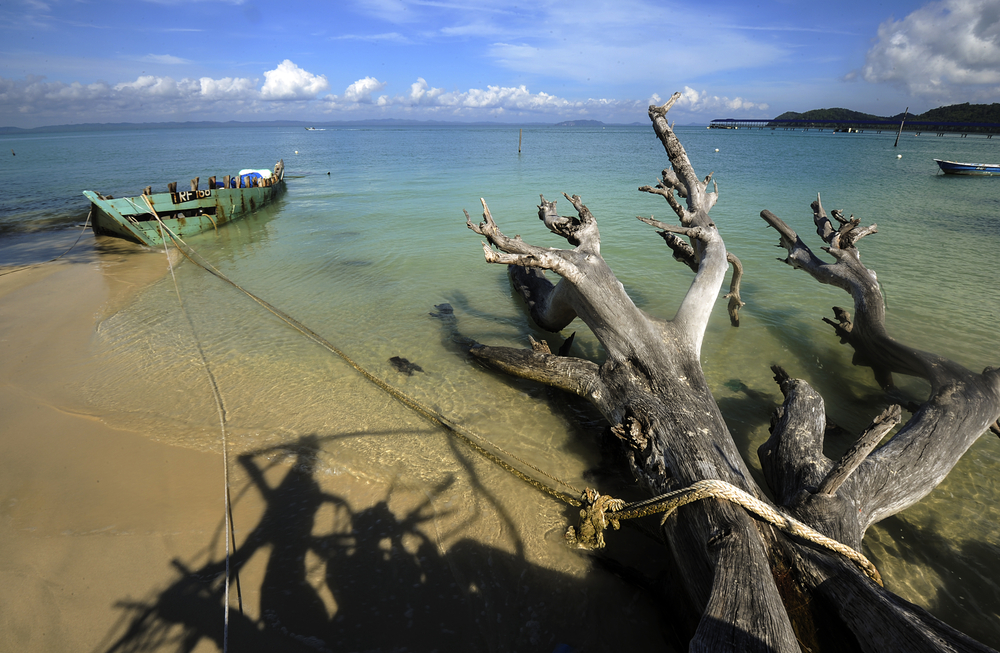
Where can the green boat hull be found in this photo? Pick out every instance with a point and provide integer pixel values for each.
(185, 213)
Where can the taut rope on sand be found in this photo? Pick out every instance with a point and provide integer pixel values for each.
(221, 409)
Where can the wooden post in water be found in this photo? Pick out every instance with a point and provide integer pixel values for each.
(901, 126)
(519, 133)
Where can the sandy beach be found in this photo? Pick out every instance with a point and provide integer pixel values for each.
(113, 541)
(90, 515)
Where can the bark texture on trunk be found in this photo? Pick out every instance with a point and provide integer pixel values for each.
(755, 588)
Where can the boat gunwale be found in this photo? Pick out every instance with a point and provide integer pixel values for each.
(973, 165)
(122, 210)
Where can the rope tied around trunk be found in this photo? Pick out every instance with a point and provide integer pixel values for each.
(599, 511)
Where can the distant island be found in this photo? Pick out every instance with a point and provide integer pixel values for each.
(580, 123)
(967, 113)
(965, 118)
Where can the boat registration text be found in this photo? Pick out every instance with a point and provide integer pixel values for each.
(189, 195)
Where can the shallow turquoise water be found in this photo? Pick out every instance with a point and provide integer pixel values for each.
(363, 253)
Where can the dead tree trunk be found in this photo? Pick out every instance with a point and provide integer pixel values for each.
(741, 574)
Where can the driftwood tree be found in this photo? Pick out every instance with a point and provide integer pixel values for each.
(752, 586)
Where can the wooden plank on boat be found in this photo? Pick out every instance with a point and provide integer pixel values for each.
(184, 213)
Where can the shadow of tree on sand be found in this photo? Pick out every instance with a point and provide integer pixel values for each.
(338, 578)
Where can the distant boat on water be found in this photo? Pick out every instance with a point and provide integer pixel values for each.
(956, 168)
(313, 129)
(142, 219)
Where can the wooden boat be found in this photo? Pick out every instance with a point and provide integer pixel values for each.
(186, 212)
(956, 168)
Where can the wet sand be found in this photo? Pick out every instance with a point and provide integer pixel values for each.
(113, 541)
(88, 515)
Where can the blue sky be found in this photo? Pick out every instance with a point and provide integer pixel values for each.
(79, 61)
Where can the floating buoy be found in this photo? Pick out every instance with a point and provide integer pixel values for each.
(296, 151)
(716, 149)
(899, 156)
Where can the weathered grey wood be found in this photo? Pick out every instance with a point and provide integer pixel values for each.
(721, 553)
(961, 406)
(755, 589)
(857, 453)
(194, 183)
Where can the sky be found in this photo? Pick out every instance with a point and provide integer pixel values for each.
(509, 61)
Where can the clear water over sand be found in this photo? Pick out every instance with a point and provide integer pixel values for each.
(386, 519)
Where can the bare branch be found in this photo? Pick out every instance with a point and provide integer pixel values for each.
(682, 250)
(515, 251)
(799, 255)
(567, 373)
(669, 184)
(844, 238)
(581, 232)
(685, 253)
(735, 301)
(823, 225)
(856, 454)
(550, 305)
(696, 233)
(700, 202)
(540, 346)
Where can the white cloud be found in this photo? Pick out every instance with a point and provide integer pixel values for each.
(155, 87)
(423, 99)
(361, 90)
(227, 88)
(944, 49)
(692, 101)
(289, 82)
(506, 98)
(34, 95)
(152, 97)
(421, 92)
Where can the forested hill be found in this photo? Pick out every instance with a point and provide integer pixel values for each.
(977, 113)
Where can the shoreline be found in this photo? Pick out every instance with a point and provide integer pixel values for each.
(89, 514)
(113, 541)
